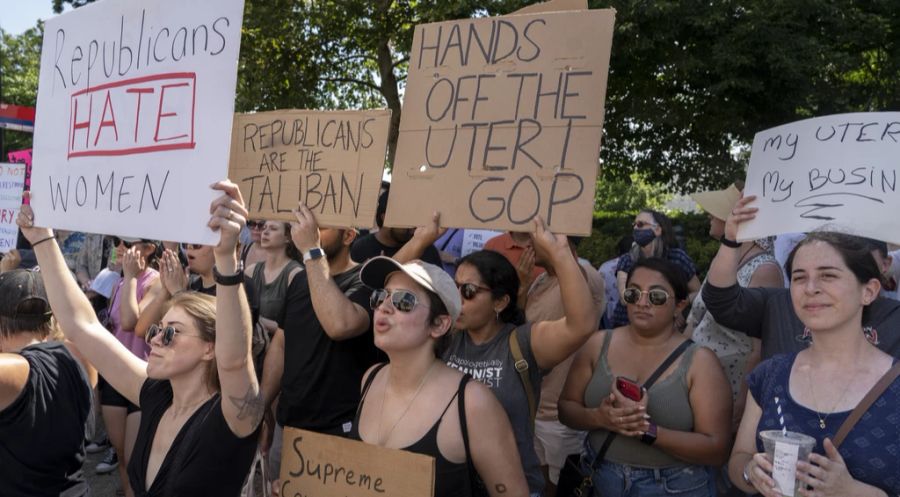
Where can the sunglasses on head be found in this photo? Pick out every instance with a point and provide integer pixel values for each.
(655, 296)
(116, 241)
(256, 224)
(402, 300)
(643, 224)
(168, 334)
(468, 291)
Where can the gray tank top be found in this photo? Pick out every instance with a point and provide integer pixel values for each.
(271, 295)
(669, 407)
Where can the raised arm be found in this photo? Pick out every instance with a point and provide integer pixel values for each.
(493, 445)
(172, 279)
(72, 310)
(554, 341)
(423, 237)
(340, 317)
(133, 264)
(242, 402)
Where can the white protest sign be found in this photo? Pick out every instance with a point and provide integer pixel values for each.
(474, 240)
(134, 113)
(834, 172)
(502, 120)
(12, 182)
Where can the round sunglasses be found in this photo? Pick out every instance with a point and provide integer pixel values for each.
(402, 300)
(168, 334)
(468, 291)
(655, 296)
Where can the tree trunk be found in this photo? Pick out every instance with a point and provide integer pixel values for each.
(391, 94)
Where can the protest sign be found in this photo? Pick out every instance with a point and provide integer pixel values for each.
(317, 465)
(135, 103)
(835, 172)
(474, 240)
(502, 120)
(331, 161)
(12, 181)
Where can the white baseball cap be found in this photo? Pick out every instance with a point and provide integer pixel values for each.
(376, 271)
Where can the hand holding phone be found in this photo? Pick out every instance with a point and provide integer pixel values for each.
(629, 388)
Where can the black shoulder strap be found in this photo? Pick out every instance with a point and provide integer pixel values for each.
(461, 404)
(647, 384)
(365, 389)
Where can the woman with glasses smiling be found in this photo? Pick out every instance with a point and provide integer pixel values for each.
(494, 344)
(198, 392)
(418, 404)
(659, 440)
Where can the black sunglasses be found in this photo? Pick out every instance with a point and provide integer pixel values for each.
(116, 241)
(168, 334)
(191, 246)
(256, 224)
(402, 300)
(468, 291)
(655, 296)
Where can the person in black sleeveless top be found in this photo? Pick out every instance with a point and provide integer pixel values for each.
(418, 403)
(41, 452)
(198, 391)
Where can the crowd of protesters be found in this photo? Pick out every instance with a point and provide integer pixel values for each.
(498, 363)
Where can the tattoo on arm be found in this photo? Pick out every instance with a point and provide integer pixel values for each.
(251, 406)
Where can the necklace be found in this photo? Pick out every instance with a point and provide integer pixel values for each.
(813, 394)
(384, 439)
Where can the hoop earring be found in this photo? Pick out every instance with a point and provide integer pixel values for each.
(806, 337)
(871, 335)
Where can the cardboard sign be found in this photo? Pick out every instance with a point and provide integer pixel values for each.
(135, 102)
(331, 161)
(12, 181)
(835, 172)
(316, 465)
(502, 119)
(553, 6)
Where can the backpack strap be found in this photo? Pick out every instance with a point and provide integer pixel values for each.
(521, 366)
(461, 405)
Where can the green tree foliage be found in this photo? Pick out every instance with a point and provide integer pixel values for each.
(690, 81)
(20, 64)
(631, 195)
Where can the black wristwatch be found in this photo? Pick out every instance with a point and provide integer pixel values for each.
(649, 437)
(729, 243)
(229, 279)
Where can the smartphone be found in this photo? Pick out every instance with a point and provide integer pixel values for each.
(629, 388)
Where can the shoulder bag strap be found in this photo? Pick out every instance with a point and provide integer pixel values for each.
(647, 384)
(461, 404)
(521, 366)
(866, 403)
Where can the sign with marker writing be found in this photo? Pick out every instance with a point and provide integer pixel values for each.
(835, 172)
(317, 465)
(135, 104)
(331, 161)
(12, 182)
(502, 120)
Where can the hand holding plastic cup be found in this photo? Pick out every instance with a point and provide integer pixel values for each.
(784, 449)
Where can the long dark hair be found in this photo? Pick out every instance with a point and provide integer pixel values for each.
(500, 276)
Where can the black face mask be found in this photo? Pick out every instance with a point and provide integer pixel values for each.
(644, 237)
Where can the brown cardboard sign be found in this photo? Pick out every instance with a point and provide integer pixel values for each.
(553, 6)
(502, 120)
(317, 465)
(331, 161)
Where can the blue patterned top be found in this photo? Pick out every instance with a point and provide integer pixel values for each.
(871, 450)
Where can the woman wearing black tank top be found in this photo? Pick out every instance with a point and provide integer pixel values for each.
(418, 404)
(198, 390)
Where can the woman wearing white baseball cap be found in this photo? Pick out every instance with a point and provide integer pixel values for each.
(419, 404)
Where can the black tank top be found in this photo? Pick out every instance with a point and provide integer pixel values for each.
(450, 479)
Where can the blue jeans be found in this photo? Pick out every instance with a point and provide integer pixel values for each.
(621, 480)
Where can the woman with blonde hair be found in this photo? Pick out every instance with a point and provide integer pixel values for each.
(198, 392)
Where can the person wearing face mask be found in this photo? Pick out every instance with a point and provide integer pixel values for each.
(653, 237)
